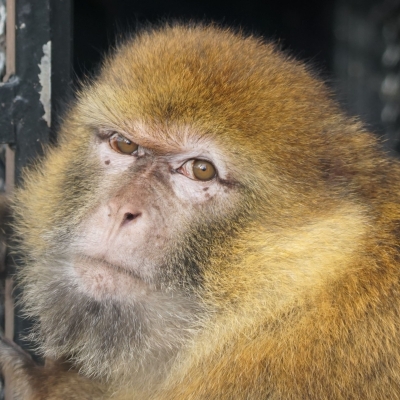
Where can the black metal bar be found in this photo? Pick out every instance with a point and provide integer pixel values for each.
(33, 67)
(32, 112)
(30, 100)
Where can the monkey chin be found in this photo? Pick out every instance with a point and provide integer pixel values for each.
(101, 280)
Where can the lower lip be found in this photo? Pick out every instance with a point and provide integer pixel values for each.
(101, 279)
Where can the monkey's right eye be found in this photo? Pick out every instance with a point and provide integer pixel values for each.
(123, 145)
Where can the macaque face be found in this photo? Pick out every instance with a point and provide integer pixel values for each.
(132, 261)
(151, 200)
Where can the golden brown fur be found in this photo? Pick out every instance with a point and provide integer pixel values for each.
(295, 289)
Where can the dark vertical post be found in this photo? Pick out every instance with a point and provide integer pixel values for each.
(40, 77)
(32, 103)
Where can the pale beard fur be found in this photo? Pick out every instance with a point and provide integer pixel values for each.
(132, 339)
(110, 338)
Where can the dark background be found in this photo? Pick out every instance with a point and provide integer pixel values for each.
(303, 27)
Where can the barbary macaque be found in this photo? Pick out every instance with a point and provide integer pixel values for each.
(210, 225)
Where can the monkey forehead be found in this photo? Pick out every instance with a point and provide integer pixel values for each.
(205, 77)
(167, 138)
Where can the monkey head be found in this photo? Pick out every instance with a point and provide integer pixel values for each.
(189, 179)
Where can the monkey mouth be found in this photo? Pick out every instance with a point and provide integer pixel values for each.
(115, 267)
(101, 278)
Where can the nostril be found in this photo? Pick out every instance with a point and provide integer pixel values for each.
(130, 217)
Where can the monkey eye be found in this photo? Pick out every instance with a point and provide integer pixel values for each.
(199, 170)
(122, 145)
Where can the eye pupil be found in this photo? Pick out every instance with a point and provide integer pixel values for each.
(203, 170)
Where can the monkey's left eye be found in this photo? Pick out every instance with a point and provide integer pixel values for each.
(123, 145)
(199, 170)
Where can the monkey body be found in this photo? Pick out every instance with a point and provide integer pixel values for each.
(210, 226)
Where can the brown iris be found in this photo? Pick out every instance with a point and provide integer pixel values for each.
(123, 145)
(203, 170)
